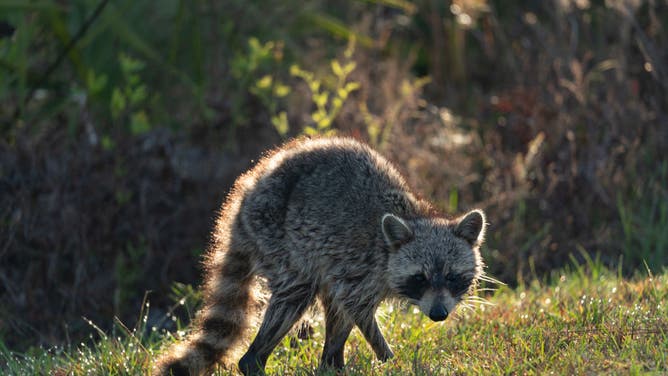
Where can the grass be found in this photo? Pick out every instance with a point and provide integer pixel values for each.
(584, 320)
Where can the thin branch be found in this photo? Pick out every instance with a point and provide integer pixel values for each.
(80, 33)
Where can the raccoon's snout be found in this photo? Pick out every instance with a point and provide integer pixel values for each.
(438, 312)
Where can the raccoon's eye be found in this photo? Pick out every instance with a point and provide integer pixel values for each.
(418, 279)
(458, 285)
(414, 286)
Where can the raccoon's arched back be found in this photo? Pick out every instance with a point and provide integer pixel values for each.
(329, 166)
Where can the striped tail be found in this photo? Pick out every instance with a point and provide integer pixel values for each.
(229, 304)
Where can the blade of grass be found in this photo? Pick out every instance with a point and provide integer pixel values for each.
(66, 49)
(338, 28)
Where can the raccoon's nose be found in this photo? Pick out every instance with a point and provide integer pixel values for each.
(438, 312)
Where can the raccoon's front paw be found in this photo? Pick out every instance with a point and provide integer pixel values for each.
(386, 355)
(332, 359)
(250, 364)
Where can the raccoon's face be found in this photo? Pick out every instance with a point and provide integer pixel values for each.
(434, 262)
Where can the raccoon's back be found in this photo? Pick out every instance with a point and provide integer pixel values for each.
(316, 189)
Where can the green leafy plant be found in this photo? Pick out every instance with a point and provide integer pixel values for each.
(128, 101)
(256, 70)
(270, 91)
(328, 93)
(259, 70)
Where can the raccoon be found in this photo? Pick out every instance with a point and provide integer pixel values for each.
(326, 220)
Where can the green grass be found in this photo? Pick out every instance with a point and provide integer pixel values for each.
(586, 320)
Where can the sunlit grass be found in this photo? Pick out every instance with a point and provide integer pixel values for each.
(586, 320)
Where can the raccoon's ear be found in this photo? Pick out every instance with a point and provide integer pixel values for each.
(395, 230)
(471, 227)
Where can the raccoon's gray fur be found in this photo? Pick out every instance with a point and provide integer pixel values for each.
(332, 220)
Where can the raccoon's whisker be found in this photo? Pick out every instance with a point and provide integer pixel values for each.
(479, 301)
(476, 298)
(490, 279)
(485, 289)
(466, 306)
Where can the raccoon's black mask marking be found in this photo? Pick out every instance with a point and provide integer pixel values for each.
(458, 285)
(414, 287)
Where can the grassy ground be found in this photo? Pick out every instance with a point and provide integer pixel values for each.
(585, 320)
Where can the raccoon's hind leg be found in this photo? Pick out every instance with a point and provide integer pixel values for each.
(286, 305)
(338, 328)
